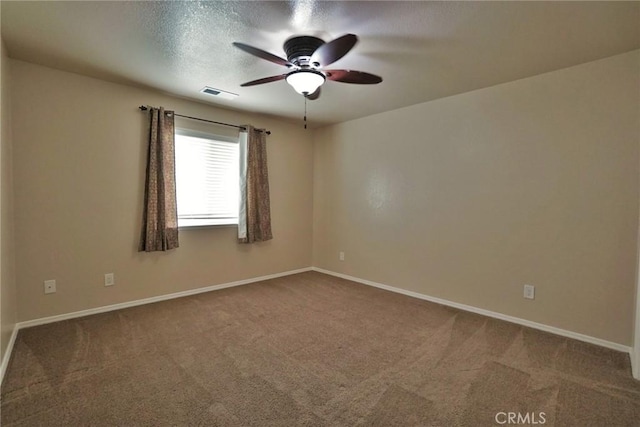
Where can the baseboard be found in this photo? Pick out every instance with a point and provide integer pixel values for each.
(635, 357)
(106, 308)
(7, 353)
(512, 319)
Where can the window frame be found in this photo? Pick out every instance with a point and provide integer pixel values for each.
(189, 223)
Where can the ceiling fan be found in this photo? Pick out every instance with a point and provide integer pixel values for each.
(306, 58)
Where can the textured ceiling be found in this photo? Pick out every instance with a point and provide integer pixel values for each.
(423, 50)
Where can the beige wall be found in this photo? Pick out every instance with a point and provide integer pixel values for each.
(465, 198)
(468, 198)
(79, 165)
(8, 301)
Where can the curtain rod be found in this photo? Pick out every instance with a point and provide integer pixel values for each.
(143, 108)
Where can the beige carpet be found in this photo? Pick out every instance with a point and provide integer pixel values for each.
(309, 350)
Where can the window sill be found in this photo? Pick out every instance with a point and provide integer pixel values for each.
(193, 223)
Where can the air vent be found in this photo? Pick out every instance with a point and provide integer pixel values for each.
(218, 93)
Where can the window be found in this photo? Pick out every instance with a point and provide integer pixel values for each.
(207, 179)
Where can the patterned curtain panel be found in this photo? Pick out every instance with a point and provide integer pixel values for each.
(160, 217)
(254, 224)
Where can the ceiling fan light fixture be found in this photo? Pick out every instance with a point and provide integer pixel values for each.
(305, 82)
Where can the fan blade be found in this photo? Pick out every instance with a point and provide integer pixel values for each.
(265, 80)
(351, 76)
(315, 95)
(263, 54)
(330, 52)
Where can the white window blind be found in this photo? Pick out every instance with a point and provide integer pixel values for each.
(207, 179)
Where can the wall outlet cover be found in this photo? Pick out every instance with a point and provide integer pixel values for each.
(109, 279)
(49, 286)
(529, 291)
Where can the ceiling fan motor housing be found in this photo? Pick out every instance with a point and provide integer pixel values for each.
(299, 49)
(306, 58)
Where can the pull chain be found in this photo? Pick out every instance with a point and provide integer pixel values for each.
(305, 112)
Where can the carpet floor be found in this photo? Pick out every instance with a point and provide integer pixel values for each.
(310, 350)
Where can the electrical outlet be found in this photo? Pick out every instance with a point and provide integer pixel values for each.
(49, 286)
(109, 279)
(341, 256)
(529, 291)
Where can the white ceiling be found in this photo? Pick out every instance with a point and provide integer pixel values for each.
(423, 50)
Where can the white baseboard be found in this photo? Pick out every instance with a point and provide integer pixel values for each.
(7, 353)
(635, 357)
(106, 308)
(512, 319)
